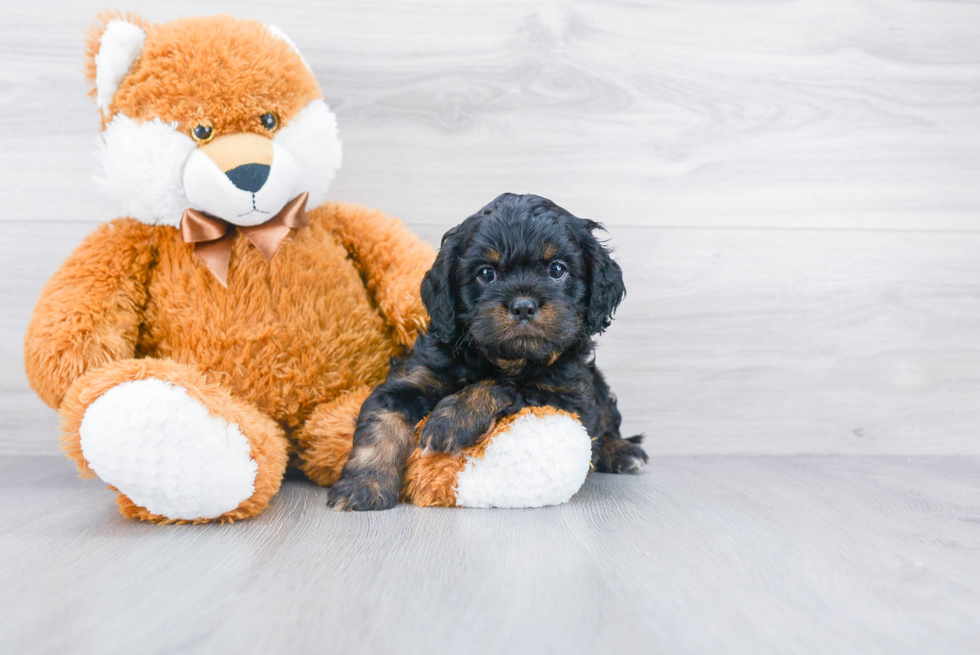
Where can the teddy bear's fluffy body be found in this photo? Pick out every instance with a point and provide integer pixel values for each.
(299, 340)
(284, 351)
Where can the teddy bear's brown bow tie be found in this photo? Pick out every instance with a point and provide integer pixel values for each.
(212, 237)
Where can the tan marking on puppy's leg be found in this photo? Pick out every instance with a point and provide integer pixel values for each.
(419, 377)
(458, 420)
(390, 437)
(375, 466)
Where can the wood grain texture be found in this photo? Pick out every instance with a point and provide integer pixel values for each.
(792, 186)
(694, 555)
(727, 113)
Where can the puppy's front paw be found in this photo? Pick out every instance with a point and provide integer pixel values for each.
(363, 494)
(446, 430)
(618, 455)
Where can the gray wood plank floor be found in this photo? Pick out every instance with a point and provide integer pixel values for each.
(830, 554)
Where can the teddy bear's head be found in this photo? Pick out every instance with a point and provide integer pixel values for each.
(214, 114)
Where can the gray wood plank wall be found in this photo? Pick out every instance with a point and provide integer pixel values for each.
(793, 188)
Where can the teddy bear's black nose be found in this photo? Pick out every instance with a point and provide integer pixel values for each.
(249, 177)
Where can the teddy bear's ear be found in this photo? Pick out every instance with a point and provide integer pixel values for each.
(114, 43)
(282, 36)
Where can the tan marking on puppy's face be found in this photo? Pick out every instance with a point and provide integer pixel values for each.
(548, 317)
(543, 330)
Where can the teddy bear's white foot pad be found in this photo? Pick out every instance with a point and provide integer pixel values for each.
(539, 461)
(163, 449)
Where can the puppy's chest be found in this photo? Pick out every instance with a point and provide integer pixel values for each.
(534, 384)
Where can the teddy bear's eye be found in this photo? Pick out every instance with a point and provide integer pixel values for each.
(202, 133)
(269, 121)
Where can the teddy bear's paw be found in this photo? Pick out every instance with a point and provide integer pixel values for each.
(537, 461)
(163, 450)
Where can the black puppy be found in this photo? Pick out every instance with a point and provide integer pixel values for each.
(515, 297)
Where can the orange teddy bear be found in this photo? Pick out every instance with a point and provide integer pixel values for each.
(223, 328)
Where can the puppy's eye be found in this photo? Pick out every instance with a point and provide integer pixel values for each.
(202, 133)
(486, 275)
(557, 270)
(269, 121)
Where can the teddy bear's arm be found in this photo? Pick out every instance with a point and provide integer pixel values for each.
(392, 261)
(90, 310)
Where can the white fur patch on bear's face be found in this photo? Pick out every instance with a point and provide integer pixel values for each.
(153, 172)
(119, 46)
(143, 169)
(311, 138)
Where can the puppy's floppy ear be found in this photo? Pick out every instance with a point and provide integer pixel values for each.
(439, 289)
(606, 288)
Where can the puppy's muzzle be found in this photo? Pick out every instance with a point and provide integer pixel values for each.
(523, 308)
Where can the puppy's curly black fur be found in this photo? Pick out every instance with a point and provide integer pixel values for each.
(515, 297)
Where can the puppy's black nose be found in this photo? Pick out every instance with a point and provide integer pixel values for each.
(249, 177)
(523, 307)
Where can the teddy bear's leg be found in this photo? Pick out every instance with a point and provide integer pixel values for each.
(539, 456)
(176, 447)
(324, 441)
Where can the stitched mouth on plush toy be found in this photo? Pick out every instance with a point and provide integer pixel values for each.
(254, 209)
